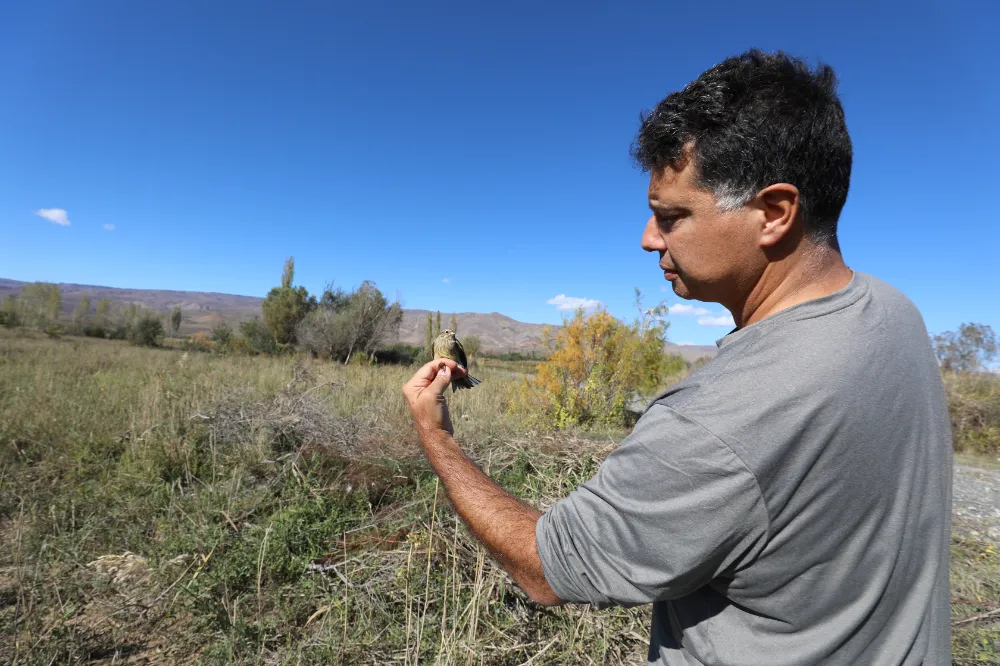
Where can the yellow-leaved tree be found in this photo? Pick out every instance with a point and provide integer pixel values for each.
(598, 367)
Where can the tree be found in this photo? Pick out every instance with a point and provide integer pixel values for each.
(969, 349)
(54, 303)
(286, 306)
(334, 298)
(9, 314)
(429, 338)
(103, 309)
(81, 313)
(129, 314)
(175, 320)
(454, 323)
(39, 303)
(437, 324)
(288, 273)
(322, 333)
(370, 319)
(471, 344)
(361, 323)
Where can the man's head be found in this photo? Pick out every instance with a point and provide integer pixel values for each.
(749, 163)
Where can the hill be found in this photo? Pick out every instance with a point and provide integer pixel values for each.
(202, 311)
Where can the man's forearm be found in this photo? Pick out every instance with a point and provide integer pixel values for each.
(502, 522)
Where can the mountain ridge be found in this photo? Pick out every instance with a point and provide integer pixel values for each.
(202, 311)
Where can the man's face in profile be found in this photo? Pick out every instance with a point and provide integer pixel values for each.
(706, 253)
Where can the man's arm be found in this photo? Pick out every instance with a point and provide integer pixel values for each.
(502, 522)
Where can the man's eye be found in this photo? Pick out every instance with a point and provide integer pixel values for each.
(666, 223)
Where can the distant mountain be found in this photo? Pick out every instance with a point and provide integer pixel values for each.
(202, 311)
(691, 353)
(497, 333)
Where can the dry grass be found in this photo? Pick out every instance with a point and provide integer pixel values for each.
(163, 507)
(158, 507)
(974, 403)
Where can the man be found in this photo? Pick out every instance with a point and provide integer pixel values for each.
(788, 502)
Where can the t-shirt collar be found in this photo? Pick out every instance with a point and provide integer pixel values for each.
(840, 298)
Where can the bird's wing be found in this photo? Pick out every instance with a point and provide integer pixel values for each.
(460, 355)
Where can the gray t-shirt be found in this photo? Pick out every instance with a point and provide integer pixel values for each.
(787, 503)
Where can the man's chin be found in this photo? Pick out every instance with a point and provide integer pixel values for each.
(680, 289)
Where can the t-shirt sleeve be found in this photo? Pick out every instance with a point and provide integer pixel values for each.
(671, 509)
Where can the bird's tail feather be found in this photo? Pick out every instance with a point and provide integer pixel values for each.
(465, 382)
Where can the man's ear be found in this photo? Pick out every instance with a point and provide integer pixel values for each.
(779, 208)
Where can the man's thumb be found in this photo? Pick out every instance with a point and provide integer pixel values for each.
(441, 380)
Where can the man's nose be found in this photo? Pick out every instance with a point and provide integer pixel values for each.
(652, 240)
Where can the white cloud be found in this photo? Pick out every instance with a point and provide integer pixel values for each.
(446, 280)
(564, 302)
(108, 227)
(57, 215)
(721, 320)
(685, 309)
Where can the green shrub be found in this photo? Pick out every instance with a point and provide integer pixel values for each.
(95, 331)
(222, 335)
(119, 332)
(8, 319)
(257, 338)
(146, 331)
(399, 354)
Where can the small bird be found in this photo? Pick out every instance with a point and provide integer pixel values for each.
(446, 345)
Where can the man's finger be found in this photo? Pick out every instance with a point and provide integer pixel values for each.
(426, 371)
(441, 381)
(425, 375)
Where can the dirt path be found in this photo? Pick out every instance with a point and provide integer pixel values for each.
(976, 502)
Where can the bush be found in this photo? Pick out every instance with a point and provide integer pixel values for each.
(345, 325)
(95, 331)
(199, 342)
(119, 332)
(8, 319)
(146, 331)
(223, 336)
(324, 334)
(513, 356)
(974, 406)
(257, 338)
(472, 346)
(399, 354)
(599, 366)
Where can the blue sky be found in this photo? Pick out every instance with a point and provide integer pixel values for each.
(471, 156)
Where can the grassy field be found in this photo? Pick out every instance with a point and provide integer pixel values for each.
(171, 508)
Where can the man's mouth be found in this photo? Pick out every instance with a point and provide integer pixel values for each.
(669, 272)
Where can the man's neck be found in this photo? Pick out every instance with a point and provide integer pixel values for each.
(806, 275)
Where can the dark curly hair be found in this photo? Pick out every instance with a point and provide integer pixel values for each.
(751, 121)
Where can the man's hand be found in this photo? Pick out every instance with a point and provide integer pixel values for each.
(424, 395)
(503, 523)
